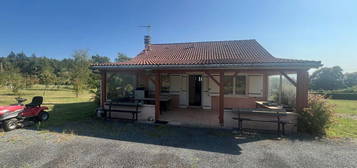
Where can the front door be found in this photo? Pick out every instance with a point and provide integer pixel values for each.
(195, 90)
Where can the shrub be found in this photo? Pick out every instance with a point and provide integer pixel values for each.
(343, 96)
(96, 96)
(317, 117)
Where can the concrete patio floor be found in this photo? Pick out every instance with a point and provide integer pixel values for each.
(191, 117)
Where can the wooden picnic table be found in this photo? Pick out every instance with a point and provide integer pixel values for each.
(261, 112)
(266, 104)
(134, 110)
(162, 98)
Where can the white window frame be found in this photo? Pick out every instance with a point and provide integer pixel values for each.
(234, 85)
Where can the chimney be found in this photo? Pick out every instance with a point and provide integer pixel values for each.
(147, 42)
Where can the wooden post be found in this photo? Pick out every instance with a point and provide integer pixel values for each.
(157, 95)
(265, 86)
(221, 98)
(302, 89)
(280, 88)
(137, 82)
(103, 89)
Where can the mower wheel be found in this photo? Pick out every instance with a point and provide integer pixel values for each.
(10, 124)
(43, 116)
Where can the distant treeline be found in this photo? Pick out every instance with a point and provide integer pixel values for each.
(333, 79)
(18, 71)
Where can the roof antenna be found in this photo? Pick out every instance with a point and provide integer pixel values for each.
(147, 37)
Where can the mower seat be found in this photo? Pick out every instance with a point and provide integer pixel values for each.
(36, 102)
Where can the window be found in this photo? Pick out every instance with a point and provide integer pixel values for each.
(228, 85)
(240, 85)
(234, 85)
(120, 86)
(165, 83)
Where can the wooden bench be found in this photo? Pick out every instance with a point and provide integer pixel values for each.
(110, 110)
(273, 113)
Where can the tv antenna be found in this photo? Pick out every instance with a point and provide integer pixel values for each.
(148, 29)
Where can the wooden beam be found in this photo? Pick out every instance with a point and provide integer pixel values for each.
(280, 88)
(148, 78)
(110, 76)
(265, 86)
(221, 98)
(235, 73)
(210, 75)
(152, 80)
(137, 76)
(103, 89)
(302, 89)
(288, 78)
(157, 96)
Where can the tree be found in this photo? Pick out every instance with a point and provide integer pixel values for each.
(351, 79)
(16, 82)
(64, 77)
(327, 79)
(30, 80)
(95, 78)
(122, 57)
(97, 59)
(3, 79)
(46, 78)
(13, 80)
(80, 71)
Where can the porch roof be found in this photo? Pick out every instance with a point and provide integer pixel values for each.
(207, 55)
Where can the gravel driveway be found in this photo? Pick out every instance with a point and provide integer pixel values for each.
(114, 144)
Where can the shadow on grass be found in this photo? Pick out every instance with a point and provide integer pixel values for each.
(49, 89)
(17, 94)
(78, 118)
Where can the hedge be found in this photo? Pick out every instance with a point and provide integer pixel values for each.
(345, 96)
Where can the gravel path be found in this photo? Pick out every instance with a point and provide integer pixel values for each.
(116, 144)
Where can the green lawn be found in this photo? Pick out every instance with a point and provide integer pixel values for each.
(53, 95)
(346, 121)
(63, 103)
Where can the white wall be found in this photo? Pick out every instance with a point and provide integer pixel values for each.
(179, 86)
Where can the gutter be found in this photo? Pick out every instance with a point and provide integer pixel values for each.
(316, 64)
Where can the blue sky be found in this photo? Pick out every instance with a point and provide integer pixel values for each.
(304, 29)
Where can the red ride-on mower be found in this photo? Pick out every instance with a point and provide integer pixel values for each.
(15, 115)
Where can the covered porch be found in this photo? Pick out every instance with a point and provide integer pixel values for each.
(206, 81)
(172, 99)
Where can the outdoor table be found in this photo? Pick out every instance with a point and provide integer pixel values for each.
(265, 104)
(111, 104)
(165, 99)
(261, 112)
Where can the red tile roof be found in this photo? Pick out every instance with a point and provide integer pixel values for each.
(204, 53)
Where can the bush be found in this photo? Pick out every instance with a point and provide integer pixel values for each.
(317, 117)
(344, 96)
(96, 96)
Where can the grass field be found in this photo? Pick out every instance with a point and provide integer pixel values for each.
(65, 106)
(346, 121)
(62, 102)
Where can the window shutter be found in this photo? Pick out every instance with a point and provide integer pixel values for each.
(255, 88)
(175, 84)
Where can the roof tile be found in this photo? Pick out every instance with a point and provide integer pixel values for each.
(214, 52)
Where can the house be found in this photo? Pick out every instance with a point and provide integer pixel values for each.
(207, 78)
